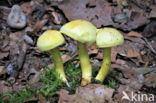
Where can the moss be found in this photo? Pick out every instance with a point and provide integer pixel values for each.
(17, 97)
(113, 84)
(53, 83)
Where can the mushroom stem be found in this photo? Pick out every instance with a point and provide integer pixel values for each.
(105, 64)
(85, 64)
(56, 57)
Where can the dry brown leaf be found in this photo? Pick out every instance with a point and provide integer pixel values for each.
(134, 34)
(36, 76)
(32, 99)
(132, 53)
(39, 25)
(27, 8)
(153, 12)
(3, 70)
(113, 54)
(102, 13)
(122, 2)
(92, 93)
(118, 96)
(3, 87)
(3, 55)
(58, 18)
(127, 71)
(150, 80)
(99, 55)
(97, 11)
(92, 49)
(133, 39)
(65, 58)
(42, 99)
(129, 49)
(17, 86)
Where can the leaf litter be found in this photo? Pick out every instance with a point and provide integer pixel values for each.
(133, 62)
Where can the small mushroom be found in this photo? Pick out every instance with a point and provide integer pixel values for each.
(49, 41)
(107, 38)
(85, 33)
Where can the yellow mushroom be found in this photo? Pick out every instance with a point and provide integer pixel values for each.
(49, 41)
(85, 33)
(107, 38)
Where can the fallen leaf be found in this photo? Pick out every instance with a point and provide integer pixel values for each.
(134, 39)
(36, 76)
(150, 80)
(113, 54)
(42, 99)
(92, 49)
(65, 58)
(99, 55)
(3, 87)
(122, 2)
(153, 12)
(18, 86)
(65, 97)
(39, 25)
(147, 76)
(127, 71)
(58, 18)
(123, 88)
(134, 34)
(3, 55)
(103, 13)
(99, 13)
(27, 8)
(129, 49)
(92, 93)
(121, 61)
(32, 99)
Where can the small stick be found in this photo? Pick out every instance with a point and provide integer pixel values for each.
(149, 45)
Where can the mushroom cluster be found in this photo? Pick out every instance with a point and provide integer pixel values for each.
(84, 32)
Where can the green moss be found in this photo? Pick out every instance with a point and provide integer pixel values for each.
(17, 97)
(50, 78)
(53, 83)
(73, 74)
(112, 84)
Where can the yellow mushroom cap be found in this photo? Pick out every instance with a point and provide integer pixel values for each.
(108, 37)
(80, 30)
(50, 39)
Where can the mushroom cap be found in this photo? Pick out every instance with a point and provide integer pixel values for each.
(50, 39)
(80, 30)
(108, 37)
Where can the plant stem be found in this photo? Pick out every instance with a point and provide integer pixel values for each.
(85, 64)
(56, 57)
(105, 65)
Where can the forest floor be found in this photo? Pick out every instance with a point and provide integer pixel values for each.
(27, 75)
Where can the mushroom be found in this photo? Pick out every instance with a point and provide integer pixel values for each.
(49, 41)
(107, 38)
(85, 33)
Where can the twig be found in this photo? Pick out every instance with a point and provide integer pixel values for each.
(149, 45)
